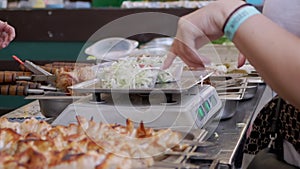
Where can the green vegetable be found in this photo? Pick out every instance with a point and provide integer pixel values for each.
(223, 40)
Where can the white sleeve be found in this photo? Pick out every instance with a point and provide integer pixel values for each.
(285, 13)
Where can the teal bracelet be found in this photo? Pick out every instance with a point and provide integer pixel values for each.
(237, 18)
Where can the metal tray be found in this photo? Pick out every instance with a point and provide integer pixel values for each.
(188, 80)
(53, 103)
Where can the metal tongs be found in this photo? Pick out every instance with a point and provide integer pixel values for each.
(39, 73)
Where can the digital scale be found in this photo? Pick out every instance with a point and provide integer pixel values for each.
(186, 104)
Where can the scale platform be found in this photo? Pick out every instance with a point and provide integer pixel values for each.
(191, 109)
(182, 105)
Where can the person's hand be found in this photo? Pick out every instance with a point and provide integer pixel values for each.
(241, 60)
(7, 34)
(197, 29)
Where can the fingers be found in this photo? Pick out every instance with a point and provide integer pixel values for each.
(191, 56)
(168, 61)
(241, 60)
(7, 34)
(186, 51)
(192, 33)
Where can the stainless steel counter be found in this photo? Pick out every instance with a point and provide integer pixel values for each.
(230, 134)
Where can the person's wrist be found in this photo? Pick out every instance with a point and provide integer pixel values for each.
(226, 7)
(236, 18)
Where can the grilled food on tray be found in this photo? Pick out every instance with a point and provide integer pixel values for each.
(230, 68)
(68, 73)
(65, 78)
(36, 144)
(135, 72)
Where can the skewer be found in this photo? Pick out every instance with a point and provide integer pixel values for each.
(235, 88)
(11, 77)
(16, 90)
(34, 85)
(198, 144)
(164, 164)
(174, 153)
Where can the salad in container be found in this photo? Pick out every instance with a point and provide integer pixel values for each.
(142, 71)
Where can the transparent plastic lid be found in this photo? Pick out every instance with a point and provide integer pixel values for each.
(111, 49)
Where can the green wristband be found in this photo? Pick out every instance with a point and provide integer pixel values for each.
(237, 18)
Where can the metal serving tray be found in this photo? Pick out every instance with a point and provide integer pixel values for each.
(188, 80)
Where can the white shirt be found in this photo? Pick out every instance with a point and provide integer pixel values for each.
(285, 13)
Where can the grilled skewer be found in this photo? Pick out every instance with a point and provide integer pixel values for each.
(18, 73)
(11, 77)
(53, 67)
(73, 64)
(235, 88)
(34, 85)
(16, 90)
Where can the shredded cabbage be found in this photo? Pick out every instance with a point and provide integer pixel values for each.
(164, 76)
(135, 72)
(127, 74)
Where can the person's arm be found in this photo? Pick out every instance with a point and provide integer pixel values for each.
(7, 34)
(274, 52)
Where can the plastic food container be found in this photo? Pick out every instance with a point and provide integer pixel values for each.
(151, 52)
(111, 49)
(164, 42)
